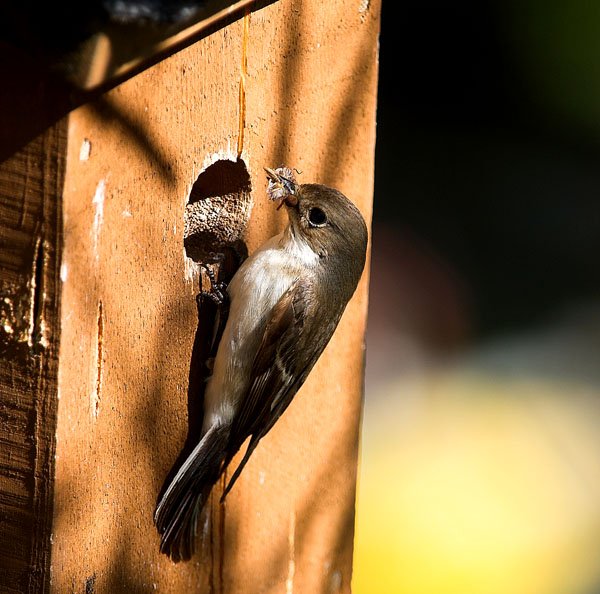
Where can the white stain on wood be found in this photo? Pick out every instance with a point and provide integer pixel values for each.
(85, 150)
(289, 582)
(363, 8)
(98, 202)
(64, 272)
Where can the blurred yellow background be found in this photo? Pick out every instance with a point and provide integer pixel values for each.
(473, 483)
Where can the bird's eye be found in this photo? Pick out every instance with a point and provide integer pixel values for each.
(317, 217)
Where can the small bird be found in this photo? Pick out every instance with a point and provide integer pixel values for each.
(285, 302)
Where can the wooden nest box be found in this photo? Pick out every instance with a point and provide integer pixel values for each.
(124, 165)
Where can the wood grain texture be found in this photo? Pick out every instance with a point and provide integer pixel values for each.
(30, 240)
(293, 82)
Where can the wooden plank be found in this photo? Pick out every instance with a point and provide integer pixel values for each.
(30, 235)
(293, 83)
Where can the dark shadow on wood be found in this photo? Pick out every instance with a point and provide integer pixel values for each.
(211, 323)
(214, 243)
(34, 96)
(109, 112)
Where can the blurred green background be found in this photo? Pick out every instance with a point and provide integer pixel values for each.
(480, 454)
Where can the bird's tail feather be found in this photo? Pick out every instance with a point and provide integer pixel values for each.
(176, 515)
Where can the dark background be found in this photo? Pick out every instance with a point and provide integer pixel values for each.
(487, 202)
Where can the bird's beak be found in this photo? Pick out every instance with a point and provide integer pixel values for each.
(272, 175)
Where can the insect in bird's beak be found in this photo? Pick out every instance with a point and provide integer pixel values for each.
(282, 186)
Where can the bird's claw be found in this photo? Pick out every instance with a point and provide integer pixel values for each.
(218, 290)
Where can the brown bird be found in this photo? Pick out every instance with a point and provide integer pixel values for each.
(285, 302)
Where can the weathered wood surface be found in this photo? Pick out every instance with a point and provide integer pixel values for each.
(30, 239)
(291, 83)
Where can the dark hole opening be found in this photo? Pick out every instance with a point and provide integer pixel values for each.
(217, 212)
(220, 179)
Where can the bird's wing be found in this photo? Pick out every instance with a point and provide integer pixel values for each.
(291, 344)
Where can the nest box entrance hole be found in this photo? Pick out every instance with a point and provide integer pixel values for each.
(216, 216)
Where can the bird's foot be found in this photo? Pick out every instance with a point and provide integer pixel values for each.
(218, 290)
